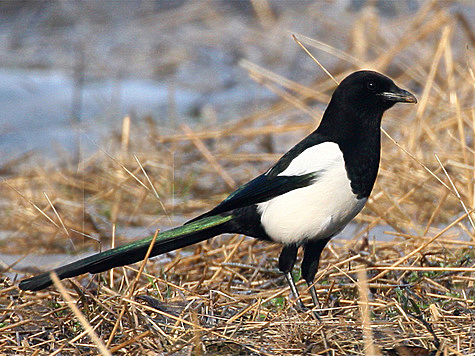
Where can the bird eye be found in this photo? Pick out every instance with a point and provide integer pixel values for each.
(371, 85)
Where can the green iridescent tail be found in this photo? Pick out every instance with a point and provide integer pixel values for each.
(166, 241)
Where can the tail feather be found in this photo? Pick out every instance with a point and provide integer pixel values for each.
(166, 241)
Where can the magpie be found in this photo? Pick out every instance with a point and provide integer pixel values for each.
(303, 200)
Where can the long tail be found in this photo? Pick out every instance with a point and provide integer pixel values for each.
(166, 241)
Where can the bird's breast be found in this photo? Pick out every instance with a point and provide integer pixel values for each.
(319, 210)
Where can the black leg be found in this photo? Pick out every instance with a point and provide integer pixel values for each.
(311, 258)
(287, 258)
(286, 263)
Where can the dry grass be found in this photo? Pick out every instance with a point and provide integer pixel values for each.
(225, 296)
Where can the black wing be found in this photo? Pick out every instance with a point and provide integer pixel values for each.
(259, 190)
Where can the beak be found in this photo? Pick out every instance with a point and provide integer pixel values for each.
(398, 95)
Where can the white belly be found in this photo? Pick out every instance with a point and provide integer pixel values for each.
(318, 211)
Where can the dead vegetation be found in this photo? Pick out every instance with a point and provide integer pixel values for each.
(410, 294)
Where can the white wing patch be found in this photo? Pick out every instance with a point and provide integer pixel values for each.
(314, 159)
(318, 211)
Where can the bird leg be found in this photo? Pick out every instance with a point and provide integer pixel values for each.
(286, 263)
(293, 288)
(314, 295)
(311, 258)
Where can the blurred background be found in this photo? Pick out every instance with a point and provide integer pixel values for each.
(71, 70)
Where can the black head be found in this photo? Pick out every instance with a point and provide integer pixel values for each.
(359, 102)
(370, 91)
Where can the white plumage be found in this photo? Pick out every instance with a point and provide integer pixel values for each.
(320, 210)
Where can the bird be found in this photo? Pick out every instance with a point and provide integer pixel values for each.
(307, 197)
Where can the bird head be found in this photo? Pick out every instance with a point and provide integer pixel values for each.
(358, 104)
(371, 91)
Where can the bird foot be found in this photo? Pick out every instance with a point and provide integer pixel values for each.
(317, 315)
(301, 308)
